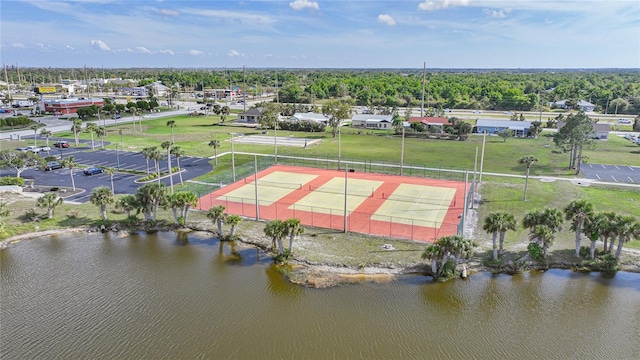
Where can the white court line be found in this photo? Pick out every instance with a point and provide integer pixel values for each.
(614, 179)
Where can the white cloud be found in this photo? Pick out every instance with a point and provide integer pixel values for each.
(496, 14)
(69, 47)
(18, 45)
(195, 52)
(142, 50)
(166, 51)
(43, 46)
(301, 4)
(100, 45)
(168, 12)
(431, 5)
(234, 53)
(386, 19)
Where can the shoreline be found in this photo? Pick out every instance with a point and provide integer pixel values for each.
(319, 275)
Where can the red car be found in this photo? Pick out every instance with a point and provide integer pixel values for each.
(61, 144)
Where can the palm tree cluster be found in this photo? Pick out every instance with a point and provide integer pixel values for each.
(219, 217)
(544, 224)
(445, 254)
(278, 229)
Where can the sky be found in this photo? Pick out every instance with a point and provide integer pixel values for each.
(452, 34)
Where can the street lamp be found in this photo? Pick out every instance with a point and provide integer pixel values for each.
(233, 158)
(339, 141)
(60, 147)
(117, 156)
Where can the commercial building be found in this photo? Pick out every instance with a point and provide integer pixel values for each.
(70, 106)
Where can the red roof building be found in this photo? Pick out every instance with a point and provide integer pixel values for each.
(70, 106)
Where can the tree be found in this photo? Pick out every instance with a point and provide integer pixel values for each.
(156, 156)
(50, 201)
(336, 111)
(543, 225)
(47, 134)
(101, 131)
(293, 228)
(216, 214)
(149, 197)
(417, 127)
(594, 229)
(628, 229)
(110, 171)
(18, 161)
(224, 112)
(276, 230)
(178, 152)
(76, 127)
(180, 202)
(172, 124)
(35, 128)
(146, 152)
(127, 203)
(505, 134)
(527, 160)
(576, 133)
(233, 220)
(499, 223)
(101, 197)
(167, 146)
(578, 211)
(536, 128)
(446, 247)
(396, 122)
(69, 163)
(91, 128)
(215, 144)
(269, 117)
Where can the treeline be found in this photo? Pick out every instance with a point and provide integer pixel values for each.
(612, 91)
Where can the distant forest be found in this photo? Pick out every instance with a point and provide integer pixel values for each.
(611, 90)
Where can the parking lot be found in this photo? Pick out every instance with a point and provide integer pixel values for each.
(123, 160)
(612, 173)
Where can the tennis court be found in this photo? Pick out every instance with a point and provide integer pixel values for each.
(386, 205)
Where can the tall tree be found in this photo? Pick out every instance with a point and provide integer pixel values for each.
(215, 144)
(167, 146)
(172, 124)
(101, 197)
(293, 228)
(110, 171)
(76, 127)
(578, 211)
(233, 220)
(91, 128)
(127, 203)
(47, 135)
(18, 161)
(336, 111)
(527, 160)
(276, 230)
(499, 223)
(576, 132)
(35, 128)
(50, 201)
(149, 197)
(101, 131)
(628, 229)
(70, 164)
(543, 225)
(178, 152)
(180, 202)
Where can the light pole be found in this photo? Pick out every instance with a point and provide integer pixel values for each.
(60, 147)
(339, 141)
(117, 156)
(233, 158)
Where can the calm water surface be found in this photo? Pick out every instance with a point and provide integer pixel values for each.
(167, 296)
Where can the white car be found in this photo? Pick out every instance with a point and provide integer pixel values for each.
(33, 149)
(624, 121)
(44, 148)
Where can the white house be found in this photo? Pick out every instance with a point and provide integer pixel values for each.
(310, 116)
(583, 105)
(370, 121)
(158, 89)
(250, 116)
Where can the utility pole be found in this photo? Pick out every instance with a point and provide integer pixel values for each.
(424, 70)
(244, 90)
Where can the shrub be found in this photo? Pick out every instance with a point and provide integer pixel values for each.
(585, 251)
(534, 250)
(10, 180)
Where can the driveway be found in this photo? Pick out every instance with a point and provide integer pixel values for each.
(612, 173)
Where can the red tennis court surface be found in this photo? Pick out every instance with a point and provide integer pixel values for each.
(385, 205)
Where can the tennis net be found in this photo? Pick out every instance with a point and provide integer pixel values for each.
(276, 184)
(414, 199)
(352, 192)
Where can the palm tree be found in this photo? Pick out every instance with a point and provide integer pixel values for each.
(127, 203)
(146, 152)
(110, 171)
(178, 152)
(215, 144)
(628, 229)
(233, 220)
(593, 229)
(149, 197)
(91, 128)
(76, 127)
(499, 223)
(50, 200)
(101, 197)
(69, 163)
(216, 214)
(172, 124)
(224, 112)
(276, 230)
(528, 160)
(543, 225)
(167, 146)
(293, 228)
(35, 128)
(433, 253)
(47, 134)
(180, 203)
(101, 131)
(578, 211)
(156, 156)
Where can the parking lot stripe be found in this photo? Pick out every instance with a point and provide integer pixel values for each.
(614, 179)
(590, 166)
(604, 167)
(617, 167)
(598, 176)
(631, 168)
(630, 179)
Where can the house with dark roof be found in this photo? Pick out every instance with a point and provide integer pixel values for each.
(582, 105)
(493, 126)
(251, 116)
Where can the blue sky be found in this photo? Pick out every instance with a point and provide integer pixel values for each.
(321, 34)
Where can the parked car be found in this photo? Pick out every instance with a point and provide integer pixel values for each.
(624, 121)
(93, 170)
(61, 144)
(44, 148)
(117, 116)
(33, 149)
(52, 165)
(23, 149)
(5, 111)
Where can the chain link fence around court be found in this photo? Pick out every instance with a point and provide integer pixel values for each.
(358, 222)
(331, 218)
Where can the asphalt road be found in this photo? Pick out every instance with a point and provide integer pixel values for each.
(612, 173)
(123, 182)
